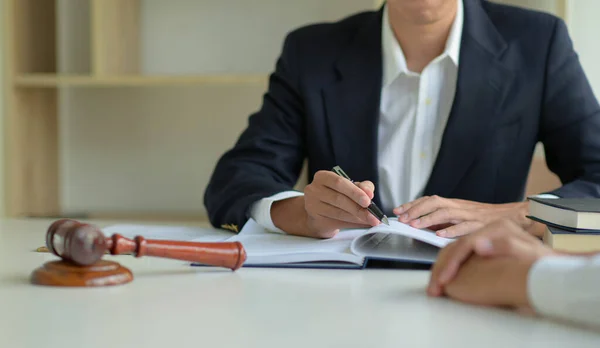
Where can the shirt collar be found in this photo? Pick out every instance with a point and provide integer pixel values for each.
(393, 57)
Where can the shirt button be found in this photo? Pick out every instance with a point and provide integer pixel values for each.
(423, 155)
(428, 101)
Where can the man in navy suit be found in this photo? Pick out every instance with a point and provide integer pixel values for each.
(436, 103)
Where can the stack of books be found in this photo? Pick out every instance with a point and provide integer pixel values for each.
(572, 224)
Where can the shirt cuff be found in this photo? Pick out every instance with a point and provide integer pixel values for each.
(548, 285)
(261, 210)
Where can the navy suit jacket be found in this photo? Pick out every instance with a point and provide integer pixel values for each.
(519, 82)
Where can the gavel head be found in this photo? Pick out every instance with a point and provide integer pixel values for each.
(76, 242)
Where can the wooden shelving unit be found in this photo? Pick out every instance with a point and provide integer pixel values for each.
(32, 82)
(54, 80)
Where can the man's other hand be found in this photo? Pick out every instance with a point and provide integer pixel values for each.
(457, 217)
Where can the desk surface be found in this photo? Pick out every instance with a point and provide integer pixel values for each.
(170, 304)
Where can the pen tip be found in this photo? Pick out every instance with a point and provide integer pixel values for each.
(385, 220)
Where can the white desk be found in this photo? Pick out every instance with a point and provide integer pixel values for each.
(172, 305)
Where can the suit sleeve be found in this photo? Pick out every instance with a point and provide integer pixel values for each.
(570, 125)
(268, 156)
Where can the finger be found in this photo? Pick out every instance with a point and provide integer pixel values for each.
(442, 216)
(424, 207)
(333, 212)
(484, 247)
(341, 201)
(462, 250)
(486, 241)
(324, 201)
(458, 252)
(345, 187)
(502, 247)
(324, 227)
(372, 220)
(404, 207)
(336, 224)
(461, 229)
(368, 187)
(439, 227)
(435, 287)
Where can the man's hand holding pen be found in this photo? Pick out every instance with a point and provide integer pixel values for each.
(330, 203)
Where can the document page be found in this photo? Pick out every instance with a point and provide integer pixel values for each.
(399, 242)
(179, 233)
(423, 235)
(263, 246)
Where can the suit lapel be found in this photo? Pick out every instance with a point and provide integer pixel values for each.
(483, 83)
(352, 103)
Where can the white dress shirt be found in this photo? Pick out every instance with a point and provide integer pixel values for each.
(414, 109)
(413, 114)
(566, 288)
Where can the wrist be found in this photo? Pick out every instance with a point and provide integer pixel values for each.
(518, 284)
(289, 215)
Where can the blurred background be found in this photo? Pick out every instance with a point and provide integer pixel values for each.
(121, 108)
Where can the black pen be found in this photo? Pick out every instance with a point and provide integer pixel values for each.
(372, 208)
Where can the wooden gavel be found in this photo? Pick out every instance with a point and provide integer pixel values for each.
(84, 245)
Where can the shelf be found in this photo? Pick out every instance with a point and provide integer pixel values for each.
(139, 217)
(53, 80)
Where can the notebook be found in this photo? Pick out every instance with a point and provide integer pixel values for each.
(351, 248)
(573, 214)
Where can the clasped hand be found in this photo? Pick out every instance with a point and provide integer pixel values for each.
(489, 267)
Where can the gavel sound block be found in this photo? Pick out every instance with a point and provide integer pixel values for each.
(82, 246)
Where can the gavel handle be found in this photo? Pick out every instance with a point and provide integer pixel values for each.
(222, 254)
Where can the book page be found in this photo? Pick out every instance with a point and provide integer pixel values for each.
(263, 246)
(393, 246)
(399, 242)
(423, 235)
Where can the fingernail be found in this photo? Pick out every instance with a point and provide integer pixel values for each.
(373, 220)
(399, 210)
(363, 201)
(404, 217)
(432, 290)
(417, 222)
(442, 233)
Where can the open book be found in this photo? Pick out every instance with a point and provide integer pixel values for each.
(352, 248)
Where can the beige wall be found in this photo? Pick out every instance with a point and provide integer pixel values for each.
(585, 31)
(2, 87)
